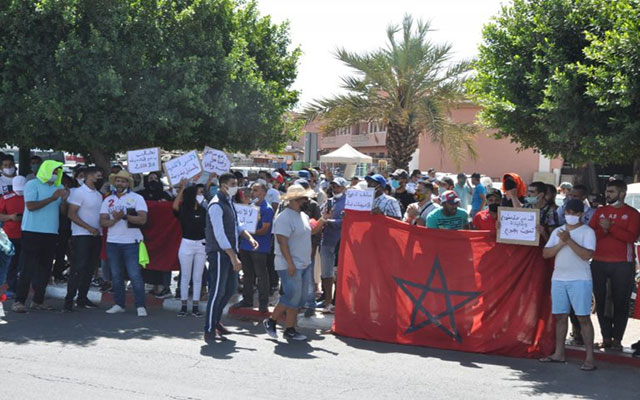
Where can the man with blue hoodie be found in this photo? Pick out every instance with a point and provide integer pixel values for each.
(45, 199)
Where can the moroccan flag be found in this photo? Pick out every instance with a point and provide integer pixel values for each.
(457, 290)
(162, 236)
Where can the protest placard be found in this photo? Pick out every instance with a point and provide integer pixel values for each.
(215, 161)
(359, 200)
(247, 217)
(143, 160)
(184, 167)
(518, 226)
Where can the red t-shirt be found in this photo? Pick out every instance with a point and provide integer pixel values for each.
(11, 203)
(617, 244)
(484, 221)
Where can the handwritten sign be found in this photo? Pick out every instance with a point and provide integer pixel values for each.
(184, 167)
(215, 161)
(144, 160)
(518, 226)
(359, 200)
(247, 217)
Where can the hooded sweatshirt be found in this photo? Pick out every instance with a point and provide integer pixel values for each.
(520, 186)
(47, 218)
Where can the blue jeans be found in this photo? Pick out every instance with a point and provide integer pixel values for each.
(5, 260)
(295, 288)
(122, 256)
(223, 283)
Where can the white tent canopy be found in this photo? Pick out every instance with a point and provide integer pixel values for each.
(346, 155)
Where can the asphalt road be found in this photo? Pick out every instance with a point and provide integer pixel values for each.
(89, 354)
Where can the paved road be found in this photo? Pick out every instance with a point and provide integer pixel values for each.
(89, 354)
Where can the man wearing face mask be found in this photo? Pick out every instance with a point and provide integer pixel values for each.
(11, 211)
(154, 190)
(36, 162)
(417, 212)
(486, 220)
(399, 185)
(536, 198)
(222, 232)
(617, 227)
(579, 192)
(45, 199)
(383, 203)
(84, 212)
(8, 173)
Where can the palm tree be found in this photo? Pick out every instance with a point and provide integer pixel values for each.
(409, 86)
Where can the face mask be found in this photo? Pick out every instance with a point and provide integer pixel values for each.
(19, 192)
(533, 200)
(9, 171)
(53, 178)
(572, 219)
(155, 186)
(35, 168)
(395, 184)
(337, 195)
(99, 183)
(80, 181)
(493, 208)
(420, 196)
(200, 198)
(232, 191)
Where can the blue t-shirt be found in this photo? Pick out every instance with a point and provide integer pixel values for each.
(264, 241)
(333, 229)
(477, 201)
(437, 220)
(46, 219)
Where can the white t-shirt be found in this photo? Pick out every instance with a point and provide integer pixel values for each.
(90, 202)
(6, 183)
(568, 266)
(295, 226)
(120, 232)
(273, 196)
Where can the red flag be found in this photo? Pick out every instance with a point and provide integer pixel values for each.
(453, 290)
(162, 236)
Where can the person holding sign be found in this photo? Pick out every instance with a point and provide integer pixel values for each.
(536, 198)
(572, 245)
(417, 213)
(383, 203)
(450, 215)
(222, 232)
(487, 220)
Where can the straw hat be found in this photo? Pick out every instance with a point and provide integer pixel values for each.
(122, 174)
(297, 192)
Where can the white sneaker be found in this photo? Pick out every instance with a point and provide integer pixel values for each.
(142, 312)
(115, 309)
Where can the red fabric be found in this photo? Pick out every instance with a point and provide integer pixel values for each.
(12, 204)
(484, 221)
(522, 188)
(501, 304)
(617, 244)
(162, 236)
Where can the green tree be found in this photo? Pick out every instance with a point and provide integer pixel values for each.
(561, 76)
(97, 78)
(409, 86)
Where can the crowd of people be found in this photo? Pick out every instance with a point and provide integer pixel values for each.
(55, 223)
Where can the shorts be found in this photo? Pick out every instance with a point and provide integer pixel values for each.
(328, 261)
(294, 288)
(567, 294)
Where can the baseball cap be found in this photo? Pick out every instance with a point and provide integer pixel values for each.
(340, 181)
(400, 173)
(304, 174)
(379, 179)
(302, 182)
(566, 185)
(449, 197)
(277, 176)
(574, 205)
(494, 193)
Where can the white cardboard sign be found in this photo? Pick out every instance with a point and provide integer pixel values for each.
(247, 217)
(184, 167)
(143, 160)
(215, 161)
(518, 226)
(359, 200)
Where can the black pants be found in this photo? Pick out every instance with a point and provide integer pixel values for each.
(39, 250)
(254, 265)
(274, 279)
(621, 276)
(86, 259)
(15, 266)
(62, 250)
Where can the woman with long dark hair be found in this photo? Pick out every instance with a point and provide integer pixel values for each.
(192, 254)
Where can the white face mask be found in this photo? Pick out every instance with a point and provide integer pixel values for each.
(200, 198)
(337, 195)
(232, 191)
(9, 171)
(80, 181)
(572, 219)
(53, 178)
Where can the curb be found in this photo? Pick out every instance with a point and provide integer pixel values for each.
(620, 358)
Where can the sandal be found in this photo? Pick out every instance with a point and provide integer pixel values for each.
(552, 360)
(603, 345)
(588, 368)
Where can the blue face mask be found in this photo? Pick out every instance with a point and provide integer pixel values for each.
(395, 184)
(533, 200)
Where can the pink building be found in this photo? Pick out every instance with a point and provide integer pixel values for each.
(495, 156)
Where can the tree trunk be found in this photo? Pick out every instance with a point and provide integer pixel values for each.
(24, 158)
(101, 159)
(402, 142)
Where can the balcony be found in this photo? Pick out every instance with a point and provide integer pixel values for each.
(365, 140)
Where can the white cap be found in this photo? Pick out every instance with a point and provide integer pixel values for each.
(18, 183)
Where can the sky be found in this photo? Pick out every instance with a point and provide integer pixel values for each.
(321, 26)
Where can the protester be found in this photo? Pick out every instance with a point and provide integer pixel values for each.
(514, 190)
(572, 245)
(536, 199)
(84, 212)
(63, 246)
(479, 198)
(154, 189)
(254, 260)
(450, 215)
(566, 188)
(354, 182)
(45, 198)
(431, 176)
(486, 220)
(617, 226)
(331, 235)
(412, 185)
(192, 254)
(222, 232)
(417, 213)
(399, 184)
(293, 257)
(273, 194)
(11, 212)
(35, 163)
(464, 191)
(552, 193)
(579, 192)
(383, 203)
(7, 174)
(123, 212)
(446, 183)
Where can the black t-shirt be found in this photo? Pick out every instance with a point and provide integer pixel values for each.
(405, 198)
(192, 222)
